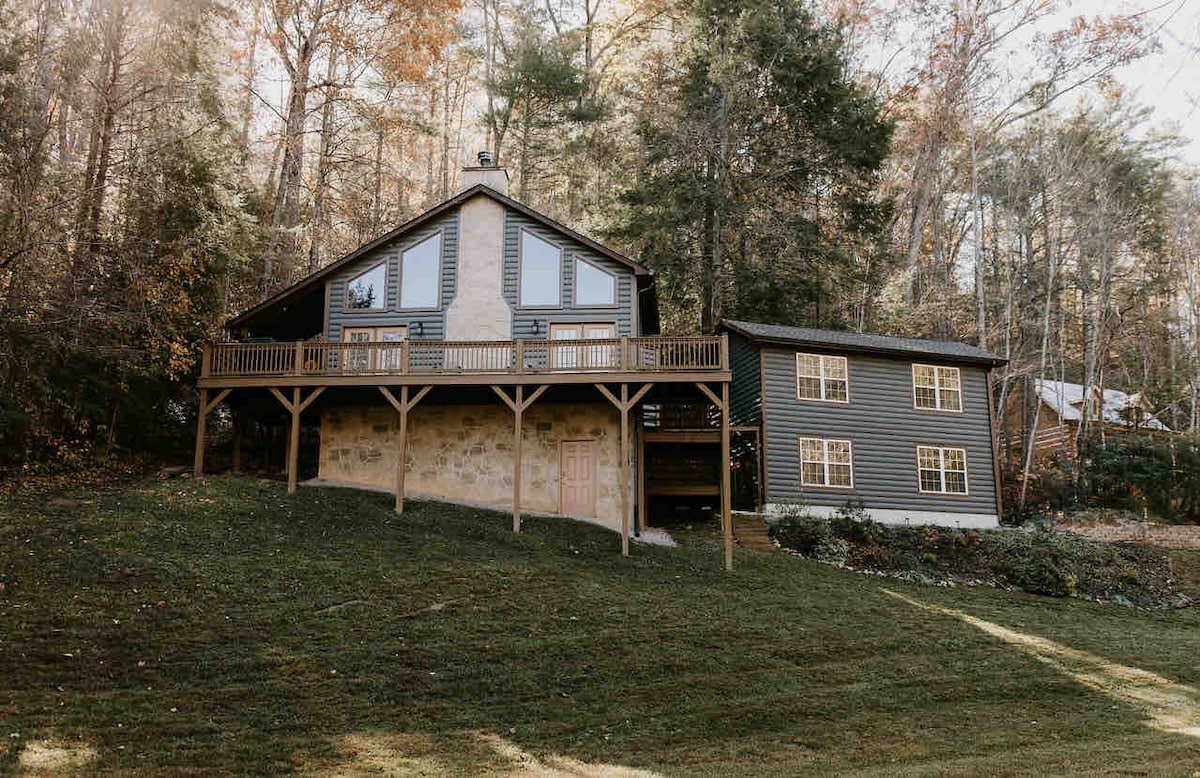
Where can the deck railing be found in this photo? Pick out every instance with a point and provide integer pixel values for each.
(658, 354)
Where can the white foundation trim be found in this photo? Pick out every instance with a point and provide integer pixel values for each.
(892, 516)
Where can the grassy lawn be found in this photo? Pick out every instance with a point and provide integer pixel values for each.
(222, 626)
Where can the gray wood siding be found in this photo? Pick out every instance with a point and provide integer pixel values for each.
(433, 322)
(745, 397)
(884, 429)
(523, 318)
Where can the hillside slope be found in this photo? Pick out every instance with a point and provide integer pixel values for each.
(223, 626)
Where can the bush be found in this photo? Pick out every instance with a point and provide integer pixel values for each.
(1039, 562)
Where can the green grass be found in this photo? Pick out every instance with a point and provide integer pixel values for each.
(197, 627)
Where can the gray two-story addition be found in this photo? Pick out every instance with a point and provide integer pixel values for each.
(879, 418)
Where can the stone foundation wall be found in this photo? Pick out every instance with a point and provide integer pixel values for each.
(465, 451)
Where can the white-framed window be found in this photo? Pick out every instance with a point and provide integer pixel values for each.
(367, 291)
(421, 274)
(594, 286)
(826, 462)
(541, 272)
(822, 377)
(937, 388)
(941, 470)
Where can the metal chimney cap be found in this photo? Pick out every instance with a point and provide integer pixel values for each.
(485, 158)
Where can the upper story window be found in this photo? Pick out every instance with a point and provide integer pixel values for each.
(368, 291)
(937, 388)
(421, 274)
(821, 377)
(942, 470)
(594, 286)
(541, 272)
(826, 462)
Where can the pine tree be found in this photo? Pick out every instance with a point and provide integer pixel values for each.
(758, 194)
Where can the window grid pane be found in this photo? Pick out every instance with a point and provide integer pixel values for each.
(942, 470)
(810, 388)
(826, 462)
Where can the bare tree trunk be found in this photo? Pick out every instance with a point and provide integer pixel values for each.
(320, 221)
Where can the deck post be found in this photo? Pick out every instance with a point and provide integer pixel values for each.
(201, 425)
(726, 497)
(624, 469)
(402, 406)
(402, 451)
(518, 413)
(518, 407)
(643, 514)
(294, 443)
(238, 421)
(624, 404)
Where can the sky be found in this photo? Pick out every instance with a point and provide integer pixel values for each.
(1166, 82)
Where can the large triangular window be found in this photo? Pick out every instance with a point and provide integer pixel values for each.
(594, 286)
(368, 291)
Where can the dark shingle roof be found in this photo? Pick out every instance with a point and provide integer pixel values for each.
(945, 350)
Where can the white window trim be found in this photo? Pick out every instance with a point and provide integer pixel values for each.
(942, 470)
(821, 362)
(521, 233)
(825, 461)
(937, 389)
(437, 306)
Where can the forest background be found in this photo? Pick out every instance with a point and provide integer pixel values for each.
(862, 164)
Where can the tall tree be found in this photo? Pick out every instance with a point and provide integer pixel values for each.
(761, 159)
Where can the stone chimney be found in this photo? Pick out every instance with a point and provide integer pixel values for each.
(486, 173)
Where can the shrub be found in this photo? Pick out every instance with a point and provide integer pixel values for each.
(1040, 562)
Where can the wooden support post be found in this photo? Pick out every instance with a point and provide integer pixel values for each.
(643, 512)
(624, 469)
(201, 430)
(518, 407)
(518, 413)
(294, 443)
(402, 406)
(726, 497)
(238, 421)
(202, 411)
(296, 407)
(624, 404)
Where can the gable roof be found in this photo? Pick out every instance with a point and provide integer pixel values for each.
(1066, 399)
(305, 284)
(863, 343)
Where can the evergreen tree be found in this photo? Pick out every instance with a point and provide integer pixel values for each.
(758, 192)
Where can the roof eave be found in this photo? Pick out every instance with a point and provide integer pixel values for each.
(859, 349)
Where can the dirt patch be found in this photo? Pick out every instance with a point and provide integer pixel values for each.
(1170, 706)
(470, 753)
(55, 757)
(1176, 536)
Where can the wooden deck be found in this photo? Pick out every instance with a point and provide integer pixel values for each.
(412, 362)
(622, 370)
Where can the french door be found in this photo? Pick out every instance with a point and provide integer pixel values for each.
(584, 357)
(365, 360)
